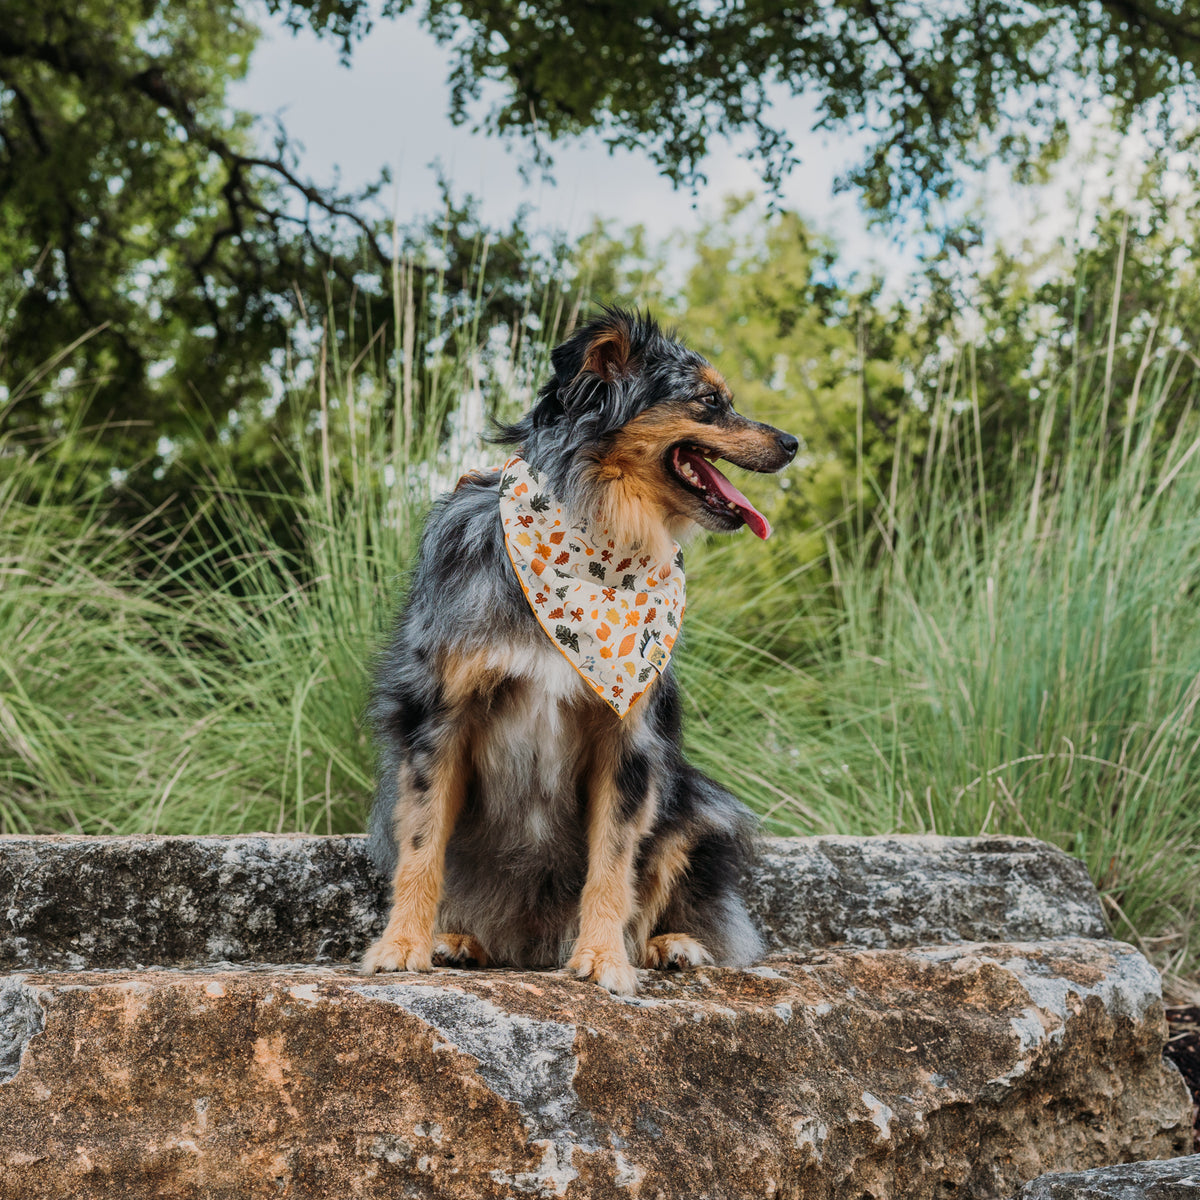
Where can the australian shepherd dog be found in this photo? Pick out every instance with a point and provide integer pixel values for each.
(534, 807)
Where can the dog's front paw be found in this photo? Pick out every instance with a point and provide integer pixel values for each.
(398, 953)
(611, 969)
(675, 950)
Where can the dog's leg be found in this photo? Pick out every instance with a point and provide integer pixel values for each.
(665, 865)
(620, 799)
(428, 808)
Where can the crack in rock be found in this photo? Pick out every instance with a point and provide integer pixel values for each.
(529, 1063)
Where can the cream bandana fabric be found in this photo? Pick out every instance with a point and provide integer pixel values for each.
(614, 612)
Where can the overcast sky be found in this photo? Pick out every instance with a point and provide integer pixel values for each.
(388, 107)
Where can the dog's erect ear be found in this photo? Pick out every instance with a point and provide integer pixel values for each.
(602, 350)
(609, 349)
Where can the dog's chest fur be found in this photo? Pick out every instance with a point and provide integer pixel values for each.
(532, 743)
(518, 857)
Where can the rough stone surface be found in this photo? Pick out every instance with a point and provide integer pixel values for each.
(71, 903)
(908, 891)
(1175, 1179)
(917, 1074)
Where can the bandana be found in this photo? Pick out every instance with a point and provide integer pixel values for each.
(612, 610)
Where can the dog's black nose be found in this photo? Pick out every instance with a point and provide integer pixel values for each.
(788, 444)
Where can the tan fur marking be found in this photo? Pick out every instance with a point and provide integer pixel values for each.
(714, 379)
(423, 829)
(474, 476)
(475, 674)
(459, 948)
(748, 447)
(675, 949)
(658, 882)
(638, 499)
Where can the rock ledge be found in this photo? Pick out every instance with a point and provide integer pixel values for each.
(888, 1054)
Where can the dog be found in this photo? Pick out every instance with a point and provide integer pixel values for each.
(533, 806)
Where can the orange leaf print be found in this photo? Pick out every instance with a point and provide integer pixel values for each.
(520, 489)
(606, 652)
(562, 558)
(555, 538)
(632, 619)
(627, 645)
(603, 632)
(630, 669)
(651, 613)
(543, 550)
(613, 615)
(556, 615)
(537, 566)
(641, 599)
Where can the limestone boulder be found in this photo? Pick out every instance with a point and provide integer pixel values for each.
(960, 1070)
(939, 1018)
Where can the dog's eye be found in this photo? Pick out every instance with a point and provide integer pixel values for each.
(714, 401)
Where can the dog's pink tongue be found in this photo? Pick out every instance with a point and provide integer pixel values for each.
(714, 480)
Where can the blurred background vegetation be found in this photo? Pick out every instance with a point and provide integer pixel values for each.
(227, 395)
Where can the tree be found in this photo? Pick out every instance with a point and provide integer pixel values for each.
(1100, 317)
(136, 208)
(141, 224)
(933, 86)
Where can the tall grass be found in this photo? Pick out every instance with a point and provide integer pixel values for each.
(1029, 664)
(1025, 662)
(145, 689)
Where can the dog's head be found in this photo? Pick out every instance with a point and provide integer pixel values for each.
(629, 427)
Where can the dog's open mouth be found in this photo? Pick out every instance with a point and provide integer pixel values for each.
(691, 466)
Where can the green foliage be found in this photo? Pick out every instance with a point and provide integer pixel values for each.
(144, 688)
(1023, 661)
(1028, 662)
(933, 87)
(142, 225)
(134, 205)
